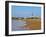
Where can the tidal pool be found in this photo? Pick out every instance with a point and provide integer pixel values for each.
(18, 25)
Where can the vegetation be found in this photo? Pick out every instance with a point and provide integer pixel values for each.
(25, 18)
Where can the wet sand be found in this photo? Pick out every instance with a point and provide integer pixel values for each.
(33, 24)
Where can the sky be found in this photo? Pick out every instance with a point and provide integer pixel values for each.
(25, 11)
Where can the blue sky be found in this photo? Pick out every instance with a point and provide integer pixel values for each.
(25, 11)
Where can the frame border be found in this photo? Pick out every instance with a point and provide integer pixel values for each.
(7, 17)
